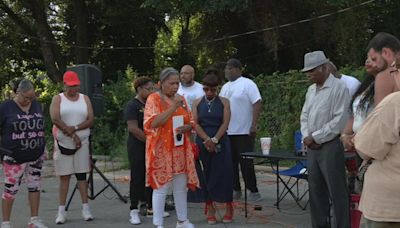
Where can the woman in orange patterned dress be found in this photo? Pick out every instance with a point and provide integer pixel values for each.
(168, 162)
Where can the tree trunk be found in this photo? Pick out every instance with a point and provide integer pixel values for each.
(17, 20)
(54, 62)
(184, 55)
(81, 14)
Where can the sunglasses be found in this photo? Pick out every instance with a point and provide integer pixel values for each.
(212, 89)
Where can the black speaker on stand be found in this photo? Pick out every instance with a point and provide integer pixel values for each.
(91, 85)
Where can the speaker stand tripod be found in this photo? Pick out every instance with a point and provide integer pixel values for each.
(92, 195)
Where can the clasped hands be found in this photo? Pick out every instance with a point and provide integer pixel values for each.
(310, 143)
(70, 131)
(209, 145)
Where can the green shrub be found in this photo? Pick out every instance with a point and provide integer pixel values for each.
(110, 131)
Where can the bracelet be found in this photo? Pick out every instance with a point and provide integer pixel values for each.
(214, 140)
(207, 139)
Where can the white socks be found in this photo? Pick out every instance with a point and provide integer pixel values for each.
(61, 209)
(85, 206)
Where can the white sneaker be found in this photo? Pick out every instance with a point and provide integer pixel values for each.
(254, 197)
(86, 214)
(61, 217)
(135, 219)
(36, 222)
(185, 224)
(6, 224)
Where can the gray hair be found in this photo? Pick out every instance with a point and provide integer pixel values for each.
(166, 72)
(25, 85)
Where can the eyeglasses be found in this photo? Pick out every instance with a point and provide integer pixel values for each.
(26, 97)
(212, 89)
(149, 88)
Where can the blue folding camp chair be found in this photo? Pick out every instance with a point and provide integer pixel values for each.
(295, 174)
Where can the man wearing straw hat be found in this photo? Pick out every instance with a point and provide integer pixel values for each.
(323, 117)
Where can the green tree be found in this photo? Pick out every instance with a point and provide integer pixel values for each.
(49, 35)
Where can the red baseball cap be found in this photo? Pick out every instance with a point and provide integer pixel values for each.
(71, 78)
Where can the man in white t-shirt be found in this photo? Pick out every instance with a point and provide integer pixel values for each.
(245, 101)
(351, 82)
(188, 88)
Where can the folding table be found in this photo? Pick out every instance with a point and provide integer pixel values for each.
(274, 157)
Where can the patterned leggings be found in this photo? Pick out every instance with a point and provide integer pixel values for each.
(14, 173)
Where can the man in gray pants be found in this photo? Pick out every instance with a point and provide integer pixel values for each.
(323, 117)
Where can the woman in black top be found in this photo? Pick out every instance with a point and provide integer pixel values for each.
(136, 145)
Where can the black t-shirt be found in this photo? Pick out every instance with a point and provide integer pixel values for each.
(22, 133)
(134, 110)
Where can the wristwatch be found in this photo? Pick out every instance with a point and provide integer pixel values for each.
(214, 140)
(76, 127)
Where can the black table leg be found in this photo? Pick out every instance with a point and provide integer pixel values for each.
(245, 199)
(277, 184)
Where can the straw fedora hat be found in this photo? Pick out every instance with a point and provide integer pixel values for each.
(314, 59)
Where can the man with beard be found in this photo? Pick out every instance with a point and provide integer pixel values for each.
(245, 100)
(323, 117)
(188, 88)
(383, 50)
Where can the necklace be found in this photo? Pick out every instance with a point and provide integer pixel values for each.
(209, 103)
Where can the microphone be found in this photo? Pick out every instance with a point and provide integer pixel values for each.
(181, 101)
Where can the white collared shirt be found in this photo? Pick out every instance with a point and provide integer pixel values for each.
(325, 110)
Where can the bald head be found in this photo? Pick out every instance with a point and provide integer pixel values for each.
(187, 75)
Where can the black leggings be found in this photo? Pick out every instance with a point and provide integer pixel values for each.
(137, 189)
(80, 176)
(239, 145)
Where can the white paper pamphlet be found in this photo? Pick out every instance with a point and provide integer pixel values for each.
(177, 121)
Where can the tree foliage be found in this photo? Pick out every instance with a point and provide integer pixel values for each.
(43, 37)
(51, 35)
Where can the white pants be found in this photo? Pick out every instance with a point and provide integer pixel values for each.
(179, 190)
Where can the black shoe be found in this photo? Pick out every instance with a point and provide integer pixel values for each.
(143, 209)
(169, 203)
(169, 207)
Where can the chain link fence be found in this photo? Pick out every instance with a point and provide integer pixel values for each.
(283, 97)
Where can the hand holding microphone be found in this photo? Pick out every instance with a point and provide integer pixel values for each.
(178, 101)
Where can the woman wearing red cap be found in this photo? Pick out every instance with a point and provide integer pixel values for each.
(72, 116)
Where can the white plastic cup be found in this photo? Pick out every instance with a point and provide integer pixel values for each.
(265, 145)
